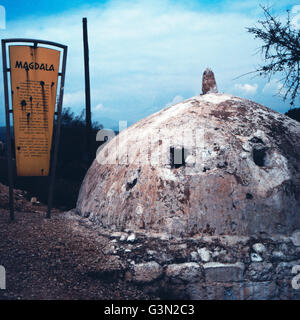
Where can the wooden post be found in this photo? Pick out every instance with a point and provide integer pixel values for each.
(8, 136)
(57, 132)
(87, 92)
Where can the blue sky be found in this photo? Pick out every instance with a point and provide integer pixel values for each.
(145, 55)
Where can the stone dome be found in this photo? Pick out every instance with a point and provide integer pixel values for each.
(215, 164)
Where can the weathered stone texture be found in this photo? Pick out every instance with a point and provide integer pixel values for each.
(189, 272)
(147, 272)
(296, 238)
(260, 271)
(224, 221)
(240, 177)
(209, 84)
(174, 269)
(220, 272)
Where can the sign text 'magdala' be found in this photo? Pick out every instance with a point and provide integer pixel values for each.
(34, 66)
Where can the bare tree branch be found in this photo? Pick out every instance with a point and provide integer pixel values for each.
(281, 52)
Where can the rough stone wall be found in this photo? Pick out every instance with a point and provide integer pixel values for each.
(208, 267)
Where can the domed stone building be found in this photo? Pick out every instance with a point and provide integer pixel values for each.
(237, 171)
(214, 165)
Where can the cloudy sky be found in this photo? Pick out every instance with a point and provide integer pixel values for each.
(145, 55)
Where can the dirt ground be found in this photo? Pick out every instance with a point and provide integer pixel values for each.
(55, 258)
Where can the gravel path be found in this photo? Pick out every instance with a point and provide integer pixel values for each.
(57, 259)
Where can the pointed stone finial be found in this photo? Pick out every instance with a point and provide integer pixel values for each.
(209, 84)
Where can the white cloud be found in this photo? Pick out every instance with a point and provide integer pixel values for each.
(274, 86)
(295, 16)
(175, 100)
(246, 88)
(74, 99)
(98, 107)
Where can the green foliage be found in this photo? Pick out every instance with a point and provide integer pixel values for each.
(72, 156)
(294, 114)
(73, 161)
(281, 52)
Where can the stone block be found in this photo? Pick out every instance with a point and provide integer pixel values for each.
(147, 272)
(184, 272)
(221, 272)
(260, 271)
(296, 238)
(263, 290)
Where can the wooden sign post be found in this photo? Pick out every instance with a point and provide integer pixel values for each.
(88, 115)
(34, 72)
